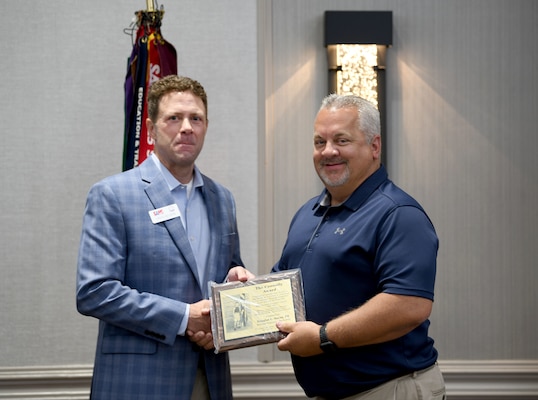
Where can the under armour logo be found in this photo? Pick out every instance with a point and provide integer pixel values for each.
(340, 231)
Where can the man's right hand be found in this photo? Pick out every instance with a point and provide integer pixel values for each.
(199, 318)
(199, 325)
(202, 339)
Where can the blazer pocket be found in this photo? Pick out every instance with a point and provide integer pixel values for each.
(128, 344)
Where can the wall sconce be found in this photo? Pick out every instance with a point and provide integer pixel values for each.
(356, 44)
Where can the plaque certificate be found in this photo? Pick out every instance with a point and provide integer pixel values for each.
(245, 314)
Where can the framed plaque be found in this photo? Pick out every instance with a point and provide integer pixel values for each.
(245, 314)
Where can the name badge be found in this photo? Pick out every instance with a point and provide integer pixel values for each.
(164, 213)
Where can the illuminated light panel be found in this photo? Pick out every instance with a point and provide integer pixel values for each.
(358, 74)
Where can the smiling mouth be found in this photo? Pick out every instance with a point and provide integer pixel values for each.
(332, 163)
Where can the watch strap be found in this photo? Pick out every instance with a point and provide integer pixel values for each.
(324, 343)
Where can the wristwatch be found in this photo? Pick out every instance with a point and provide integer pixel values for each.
(326, 345)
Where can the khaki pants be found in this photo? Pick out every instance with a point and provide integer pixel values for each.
(427, 384)
(201, 388)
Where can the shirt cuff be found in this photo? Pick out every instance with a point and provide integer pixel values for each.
(184, 321)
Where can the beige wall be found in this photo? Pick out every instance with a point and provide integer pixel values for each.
(462, 99)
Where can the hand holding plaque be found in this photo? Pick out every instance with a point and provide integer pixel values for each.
(245, 314)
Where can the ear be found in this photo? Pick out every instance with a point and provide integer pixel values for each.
(151, 128)
(376, 147)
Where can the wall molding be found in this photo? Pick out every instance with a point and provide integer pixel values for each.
(465, 380)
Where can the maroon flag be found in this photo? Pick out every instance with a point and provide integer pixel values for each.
(152, 58)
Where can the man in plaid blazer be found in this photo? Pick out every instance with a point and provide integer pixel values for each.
(152, 238)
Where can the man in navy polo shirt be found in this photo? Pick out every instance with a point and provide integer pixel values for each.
(367, 252)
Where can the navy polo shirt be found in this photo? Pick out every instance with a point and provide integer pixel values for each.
(379, 240)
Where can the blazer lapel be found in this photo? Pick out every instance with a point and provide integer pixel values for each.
(159, 195)
(212, 204)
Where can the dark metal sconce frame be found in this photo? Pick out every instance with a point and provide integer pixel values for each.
(361, 27)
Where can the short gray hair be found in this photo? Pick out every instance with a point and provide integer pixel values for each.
(368, 121)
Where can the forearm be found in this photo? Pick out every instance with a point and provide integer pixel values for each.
(141, 313)
(383, 318)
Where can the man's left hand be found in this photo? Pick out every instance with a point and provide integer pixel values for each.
(240, 274)
(302, 338)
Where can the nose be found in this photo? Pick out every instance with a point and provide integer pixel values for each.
(186, 125)
(329, 149)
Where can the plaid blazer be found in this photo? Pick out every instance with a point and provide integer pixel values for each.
(136, 277)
